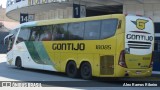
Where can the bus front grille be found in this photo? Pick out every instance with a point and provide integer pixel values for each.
(107, 65)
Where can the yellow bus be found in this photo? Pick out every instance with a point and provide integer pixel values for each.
(114, 45)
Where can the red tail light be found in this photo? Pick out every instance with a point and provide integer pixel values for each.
(122, 59)
(151, 63)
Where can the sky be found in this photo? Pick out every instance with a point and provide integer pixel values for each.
(3, 3)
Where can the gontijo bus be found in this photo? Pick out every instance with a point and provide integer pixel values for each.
(103, 46)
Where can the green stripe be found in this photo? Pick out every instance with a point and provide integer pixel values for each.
(33, 52)
(38, 53)
(39, 47)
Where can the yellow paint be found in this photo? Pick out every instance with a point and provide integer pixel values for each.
(138, 61)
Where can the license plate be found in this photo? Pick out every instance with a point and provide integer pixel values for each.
(138, 72)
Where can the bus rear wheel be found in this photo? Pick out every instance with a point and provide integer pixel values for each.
(86, 70)
(19, 63)
(71, 69)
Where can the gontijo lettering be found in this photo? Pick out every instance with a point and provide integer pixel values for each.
(139, 37)
(68, 46)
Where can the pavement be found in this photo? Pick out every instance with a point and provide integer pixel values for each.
(3, 57)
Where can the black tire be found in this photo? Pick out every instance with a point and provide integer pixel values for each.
(71, 69)
(86, 71)
(19, 63)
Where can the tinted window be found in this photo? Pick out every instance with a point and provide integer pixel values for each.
(60, 32)
(108, 28)
(23, 35)
(36, 33)
(46, 34)
(76, 31)
(92, 30)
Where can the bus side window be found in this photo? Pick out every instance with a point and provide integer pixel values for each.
(92, 30)
(56, 33)
(46, 35)
(60, 32)
(23, 35)
(76, 31)
(108, 28)
(35, 34)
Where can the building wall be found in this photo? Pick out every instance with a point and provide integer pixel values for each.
(149, 10)
(55, 14)
(3, 16)
(51, 9)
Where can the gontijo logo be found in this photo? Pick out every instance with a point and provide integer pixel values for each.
(140, 23)
(139, 39)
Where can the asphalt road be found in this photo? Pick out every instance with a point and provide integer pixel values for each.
(54, 79)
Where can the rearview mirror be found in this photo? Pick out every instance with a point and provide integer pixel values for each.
(7, 37)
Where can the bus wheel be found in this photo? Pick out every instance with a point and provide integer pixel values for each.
(19, 63)
(71, 69)
(86, 71)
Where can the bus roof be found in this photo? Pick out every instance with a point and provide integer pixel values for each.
(69, 20)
